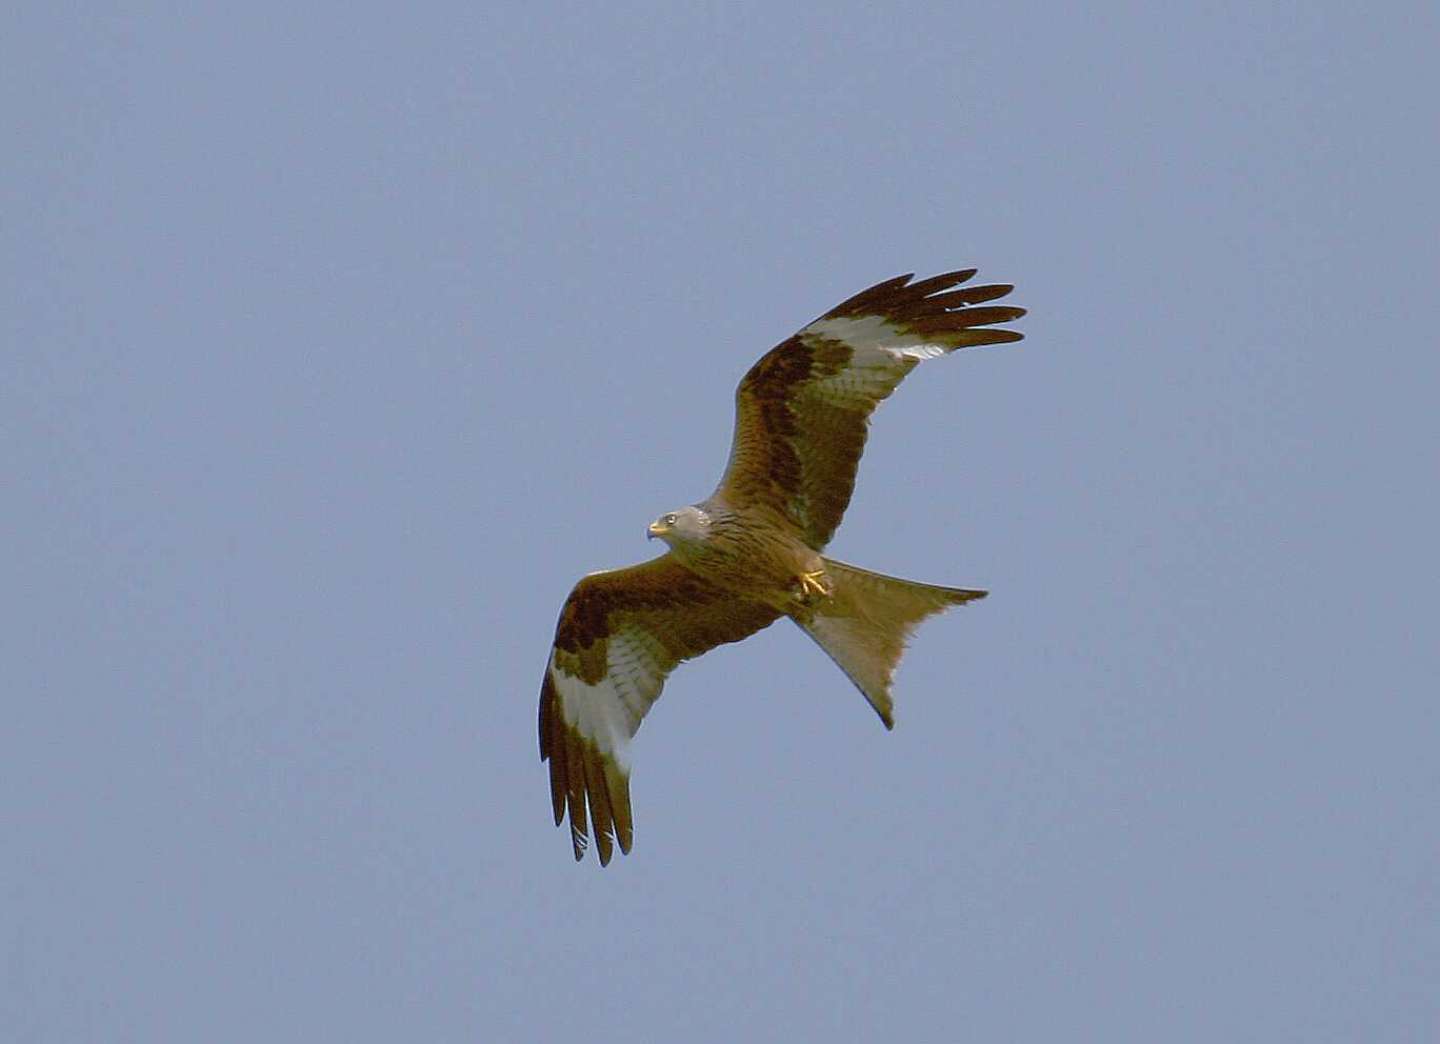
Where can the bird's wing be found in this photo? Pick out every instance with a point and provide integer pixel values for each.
(619, 635)
(802, 411)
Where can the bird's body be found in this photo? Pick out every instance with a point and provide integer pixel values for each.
(753, 551)
(748, 551)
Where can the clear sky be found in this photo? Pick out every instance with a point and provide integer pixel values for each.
(338, 341)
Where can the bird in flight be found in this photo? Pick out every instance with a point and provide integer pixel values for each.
(751, 552)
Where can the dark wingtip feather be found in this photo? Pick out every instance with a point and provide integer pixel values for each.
(547, 712)
(552, 747)
(988, 314)
(975, 338)
(575, 776)
(971, 295)
(618, 784)
(943, 281)
(558, 789)
(865, 298)
(960, 275)
(601, 818)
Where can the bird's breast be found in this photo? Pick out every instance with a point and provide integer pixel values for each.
(756, 558)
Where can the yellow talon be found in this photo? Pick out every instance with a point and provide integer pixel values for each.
(816, 583)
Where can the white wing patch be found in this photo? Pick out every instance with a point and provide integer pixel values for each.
(608, 713)
(881, 354)
(873, 335)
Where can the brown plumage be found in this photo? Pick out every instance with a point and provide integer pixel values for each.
(800, 427)
(751, 552)
(633, 626)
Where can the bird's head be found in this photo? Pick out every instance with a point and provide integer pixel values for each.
(687, 525)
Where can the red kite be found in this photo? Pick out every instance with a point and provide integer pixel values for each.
(751, 552)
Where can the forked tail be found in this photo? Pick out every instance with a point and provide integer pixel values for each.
(864, 625)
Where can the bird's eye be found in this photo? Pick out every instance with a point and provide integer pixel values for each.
(669, 520)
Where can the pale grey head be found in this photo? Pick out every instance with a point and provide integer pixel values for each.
(687, 526)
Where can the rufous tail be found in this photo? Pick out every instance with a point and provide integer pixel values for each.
(866, 621)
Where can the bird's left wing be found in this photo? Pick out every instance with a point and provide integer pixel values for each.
(620, 633)
(802, 410)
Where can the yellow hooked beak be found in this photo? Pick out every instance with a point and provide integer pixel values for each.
(656, 529)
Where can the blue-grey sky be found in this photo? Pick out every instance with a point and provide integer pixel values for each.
(340, 340)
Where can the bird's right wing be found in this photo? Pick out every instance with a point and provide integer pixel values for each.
(620, 633)
(802, 411)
